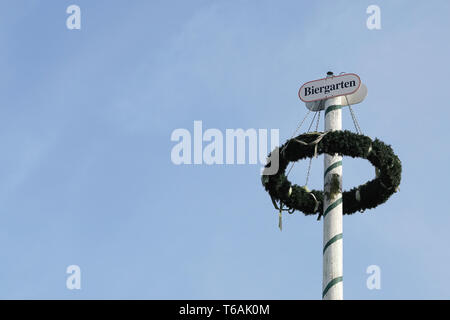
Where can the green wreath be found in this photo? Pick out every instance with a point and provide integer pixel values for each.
(346, 143)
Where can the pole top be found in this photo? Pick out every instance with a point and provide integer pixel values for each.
(329, 74)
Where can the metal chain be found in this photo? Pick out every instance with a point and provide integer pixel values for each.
(298, 128)
(310, 159)
(289, 171)
(316, 114)
(312, 121)
(318, 120)
(355, 121)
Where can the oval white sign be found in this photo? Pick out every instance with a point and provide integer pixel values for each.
(330, 87)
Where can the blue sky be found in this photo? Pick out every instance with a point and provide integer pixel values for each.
(86, 176)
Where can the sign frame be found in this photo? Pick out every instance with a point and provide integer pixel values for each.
(331, 95)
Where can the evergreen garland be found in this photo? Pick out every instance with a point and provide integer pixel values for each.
(345, 143)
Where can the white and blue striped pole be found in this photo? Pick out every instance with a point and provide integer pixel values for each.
(332, 283)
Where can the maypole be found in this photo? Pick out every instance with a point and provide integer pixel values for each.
(331, 94)
(332, 283)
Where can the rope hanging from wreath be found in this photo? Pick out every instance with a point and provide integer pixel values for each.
(367, 196)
